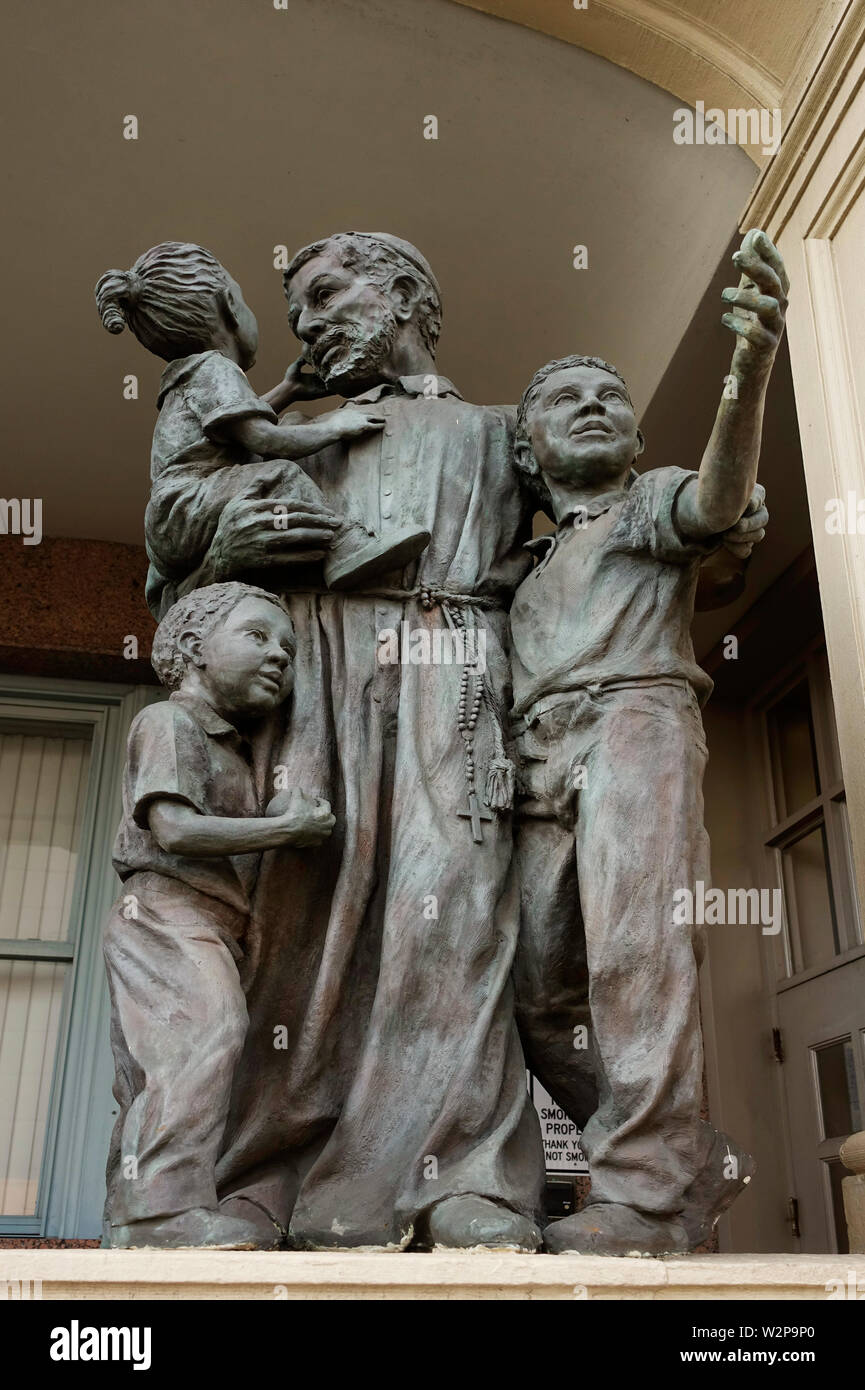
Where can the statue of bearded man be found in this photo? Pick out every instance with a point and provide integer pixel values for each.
(395, 1107)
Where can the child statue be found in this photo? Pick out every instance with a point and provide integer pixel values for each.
(187, 851)
(214, 433)
(607, 698)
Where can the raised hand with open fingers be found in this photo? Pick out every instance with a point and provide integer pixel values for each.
(759, 303)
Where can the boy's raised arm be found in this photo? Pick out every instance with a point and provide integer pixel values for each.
(728, 470)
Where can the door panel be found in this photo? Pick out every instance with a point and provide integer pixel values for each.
(822, 1024)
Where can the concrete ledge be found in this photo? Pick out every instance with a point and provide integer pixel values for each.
(200, 1274)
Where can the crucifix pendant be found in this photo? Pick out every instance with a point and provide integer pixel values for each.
(476, 813)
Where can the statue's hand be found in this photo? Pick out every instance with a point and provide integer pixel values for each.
(759, 303)
(307, 820)
(302, 383)
(349, 423)
(722, 576)
(751, 527)
(257, 532)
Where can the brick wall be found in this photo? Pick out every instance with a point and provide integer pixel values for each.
(69, 607)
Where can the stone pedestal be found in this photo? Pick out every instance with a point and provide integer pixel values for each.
(198, 1274)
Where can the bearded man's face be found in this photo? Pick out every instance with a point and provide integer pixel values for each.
(347, 324)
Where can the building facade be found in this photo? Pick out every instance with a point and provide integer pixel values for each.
(784, 979)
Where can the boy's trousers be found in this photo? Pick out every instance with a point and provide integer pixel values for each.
(178, 1023)
(612, 825)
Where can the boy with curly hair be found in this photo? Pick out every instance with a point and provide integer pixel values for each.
(187, 851)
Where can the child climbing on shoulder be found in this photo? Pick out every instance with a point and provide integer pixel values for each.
(215, 439)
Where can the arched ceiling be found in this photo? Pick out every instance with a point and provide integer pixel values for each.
(260, 127)
(727, 53)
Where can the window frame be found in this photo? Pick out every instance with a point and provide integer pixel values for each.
(79, 1111)
(779, 832)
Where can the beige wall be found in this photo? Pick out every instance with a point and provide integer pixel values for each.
(811, 200)
(725, 54)
(742, 1075)
(260, 128)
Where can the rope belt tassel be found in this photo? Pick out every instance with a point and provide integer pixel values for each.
(501, 772)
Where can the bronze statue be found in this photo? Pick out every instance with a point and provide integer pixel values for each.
(394, 1112)
(607, 699)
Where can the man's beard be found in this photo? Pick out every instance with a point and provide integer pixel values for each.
(361, 351)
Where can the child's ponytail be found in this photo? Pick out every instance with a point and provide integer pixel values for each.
(169, 299)
(114, 292)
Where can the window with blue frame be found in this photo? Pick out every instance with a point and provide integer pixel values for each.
(62, 745)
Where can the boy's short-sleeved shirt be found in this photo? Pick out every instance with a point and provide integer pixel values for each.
(613, 598)
(182, 749)
(198, 397)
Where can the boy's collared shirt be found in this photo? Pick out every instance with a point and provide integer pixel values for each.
(198, 397)
(183, 750)
(613, 597)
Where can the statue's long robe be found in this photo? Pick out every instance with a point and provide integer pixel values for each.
(383, 1070)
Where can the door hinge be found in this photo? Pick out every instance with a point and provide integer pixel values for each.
(793, 1215)
(777, 1045)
